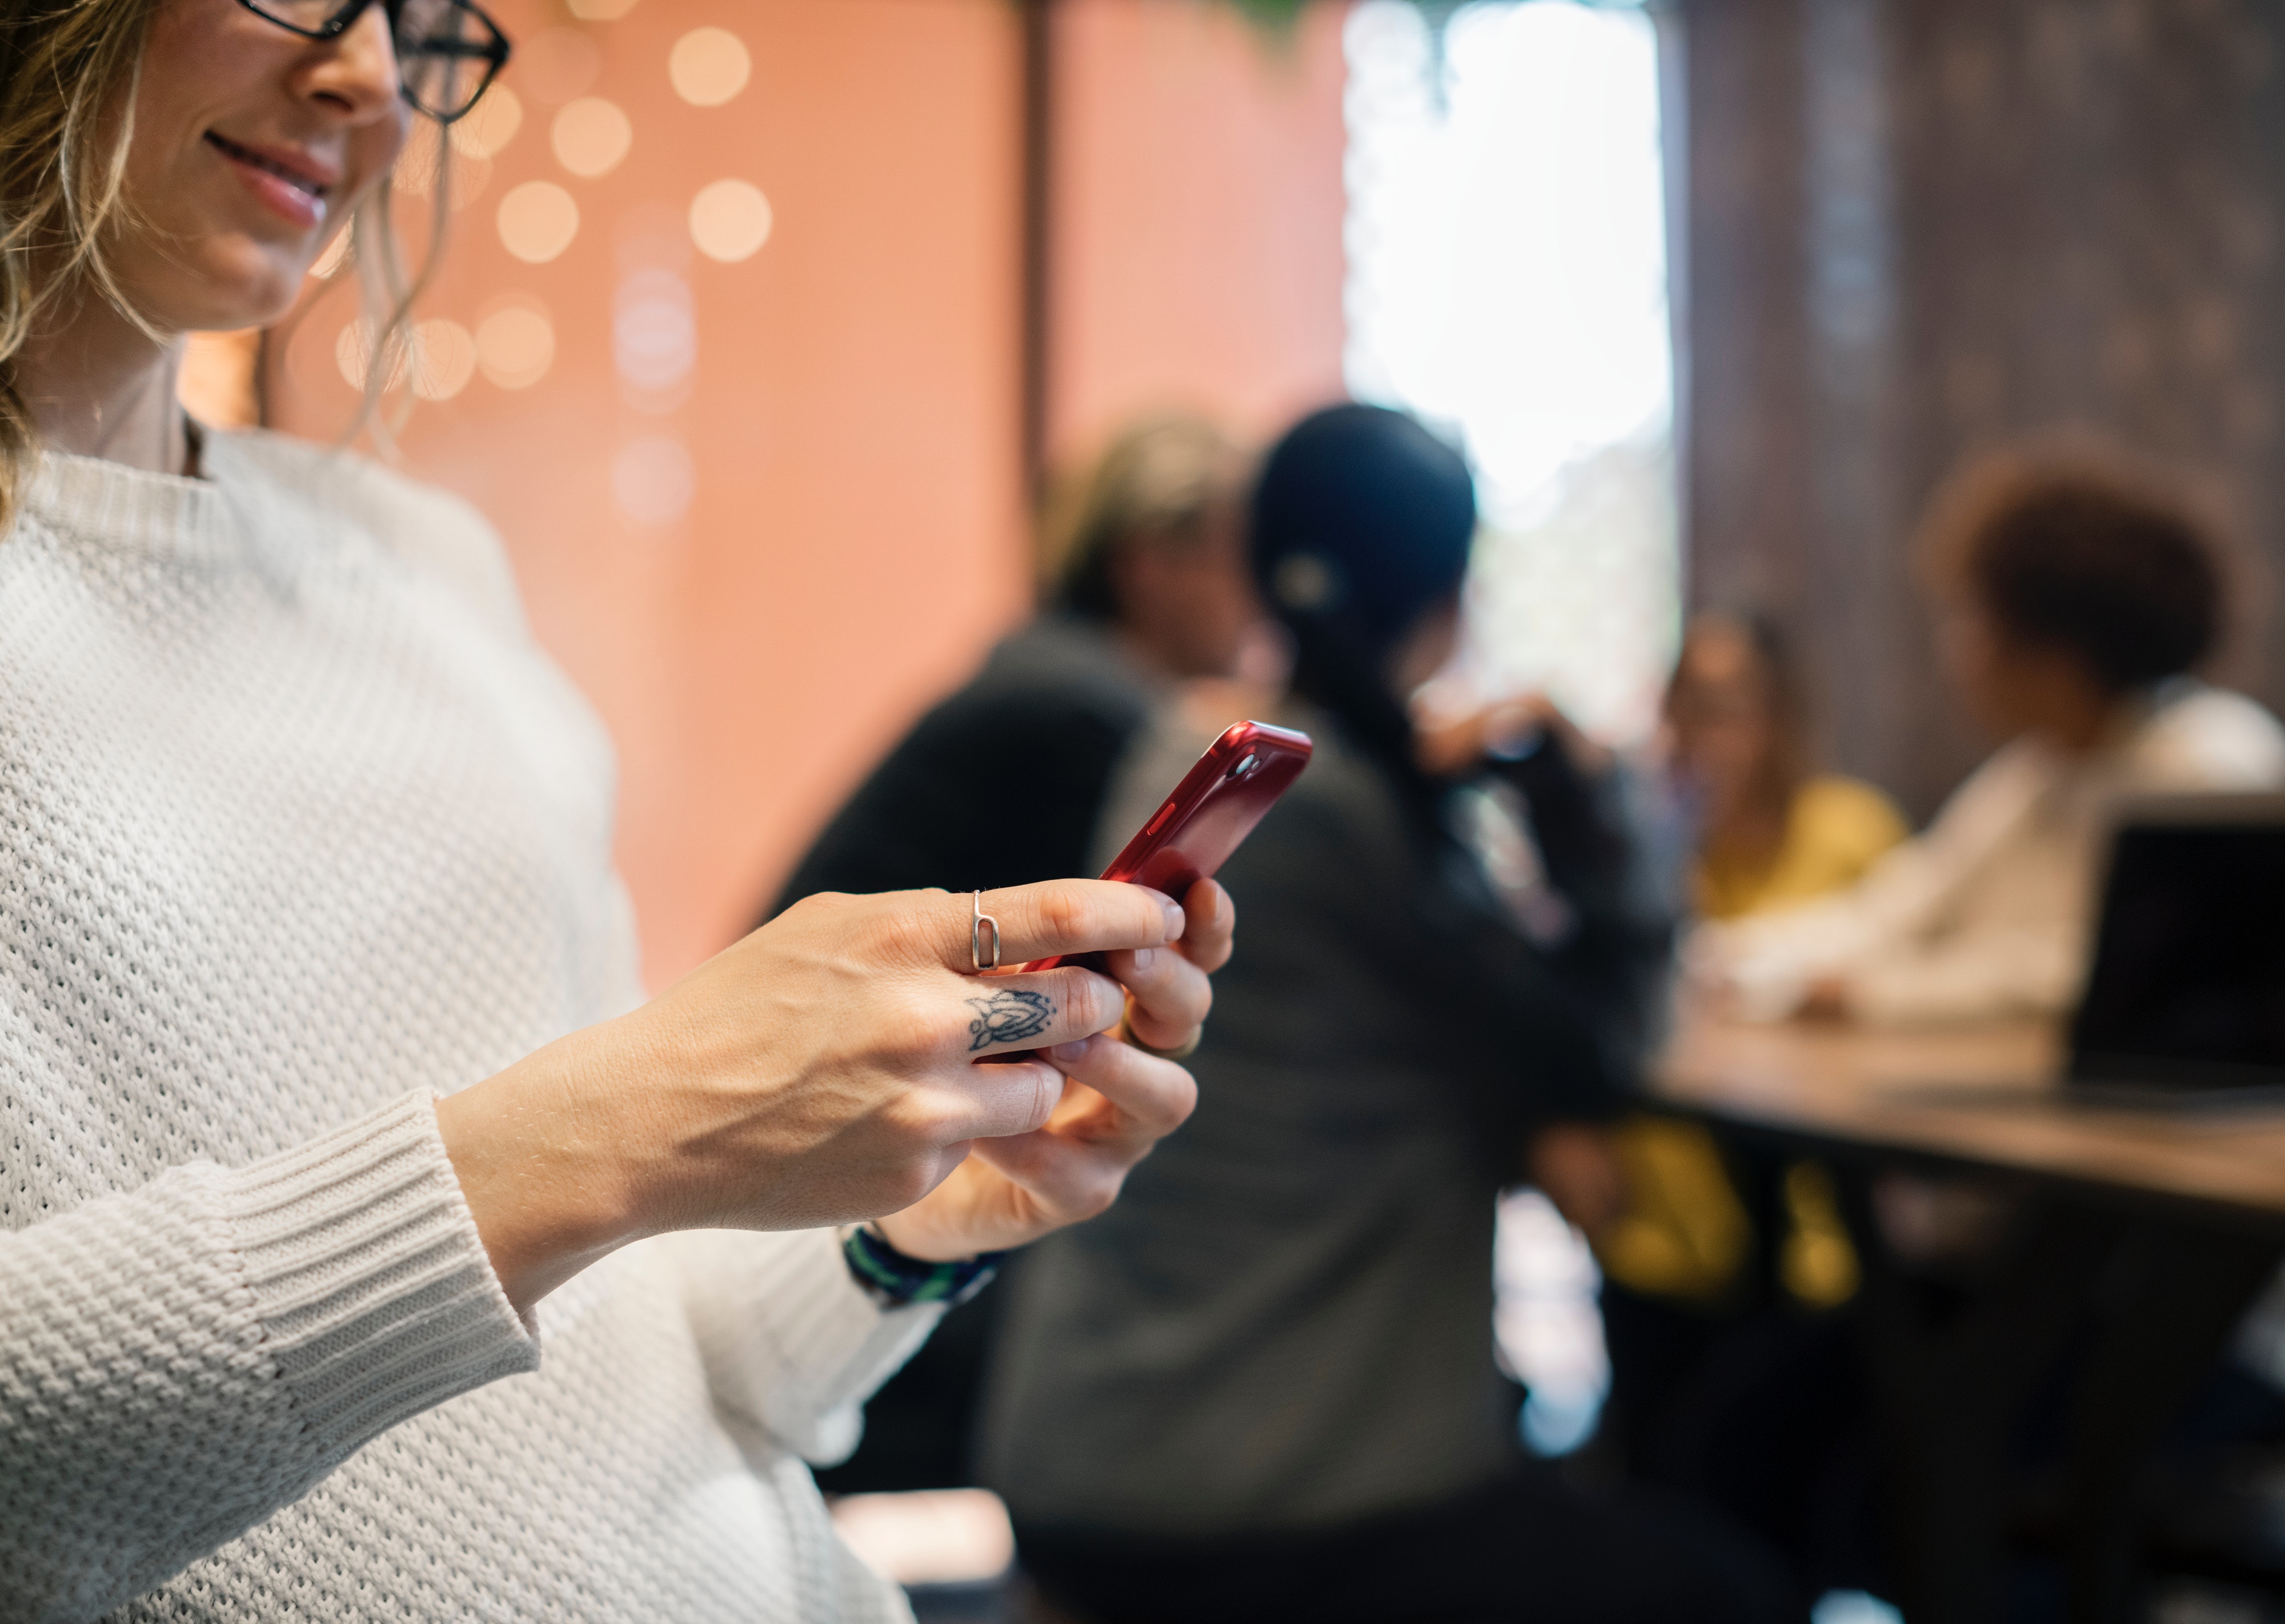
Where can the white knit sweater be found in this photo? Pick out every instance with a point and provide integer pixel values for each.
(298, 828)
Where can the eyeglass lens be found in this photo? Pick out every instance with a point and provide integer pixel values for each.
(446, 54)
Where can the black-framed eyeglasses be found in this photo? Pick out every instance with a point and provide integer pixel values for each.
(448, 51)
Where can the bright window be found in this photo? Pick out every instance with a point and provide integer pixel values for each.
(1507, 282)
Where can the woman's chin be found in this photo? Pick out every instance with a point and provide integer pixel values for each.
(229, 288)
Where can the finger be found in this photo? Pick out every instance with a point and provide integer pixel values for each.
(993, 1102)
(1149, 1097)
(1211, 927)
(1168, 996)
(1005, 1013)
(1056, 917)
(1074, 1167)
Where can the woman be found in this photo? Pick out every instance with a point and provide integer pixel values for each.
(368, 1248)
(2076, 596)
(1769, 831)
(1264, 1387)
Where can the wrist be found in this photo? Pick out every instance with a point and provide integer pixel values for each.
(914, 1241)
(543, 1179)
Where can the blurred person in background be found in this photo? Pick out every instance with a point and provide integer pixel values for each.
(1146, 586)
(1727, 1378)
(1267, 1388)
(2075, 593)
(1766, 831)
(371, 1246)
(1770, 830)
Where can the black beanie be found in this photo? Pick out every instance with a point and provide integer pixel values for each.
(1362, 520)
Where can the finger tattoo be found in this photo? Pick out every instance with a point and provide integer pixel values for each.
(1008, 1016)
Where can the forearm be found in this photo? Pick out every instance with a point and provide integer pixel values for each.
(1576, 817)
(2003, 975)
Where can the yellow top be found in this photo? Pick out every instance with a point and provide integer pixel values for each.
(1836, 830)
(1684, 1233)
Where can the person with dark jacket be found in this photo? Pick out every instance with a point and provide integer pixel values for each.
(1146, 585)
(1264, 1386)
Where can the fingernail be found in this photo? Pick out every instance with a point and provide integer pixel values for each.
(1068, 1052)
(1175, 922)
(1144, 958)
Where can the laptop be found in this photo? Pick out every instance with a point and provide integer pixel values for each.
(2184, 1001)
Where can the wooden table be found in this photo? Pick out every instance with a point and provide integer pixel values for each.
(2138, 1238)
(1985, 1097)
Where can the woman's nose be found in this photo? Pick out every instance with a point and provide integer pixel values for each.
(357, 71)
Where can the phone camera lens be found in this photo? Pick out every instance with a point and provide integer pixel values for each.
(1245, 768)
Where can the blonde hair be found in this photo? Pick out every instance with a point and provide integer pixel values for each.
(1159, 478)
(69, 74)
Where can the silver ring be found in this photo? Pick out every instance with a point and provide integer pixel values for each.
(976, 937)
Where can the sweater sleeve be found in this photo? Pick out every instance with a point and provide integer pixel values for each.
(792, 1347)
(1989, 975)
(179, 1362)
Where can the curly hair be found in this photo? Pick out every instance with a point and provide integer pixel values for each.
(2085, 549)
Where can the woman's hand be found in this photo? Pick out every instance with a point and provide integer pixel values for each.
(1116, 1103)
(824, 1068)
(1448, 743)
(1827, 1000)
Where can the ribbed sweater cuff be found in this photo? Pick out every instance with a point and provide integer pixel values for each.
(831, 1327)
(374, 1295)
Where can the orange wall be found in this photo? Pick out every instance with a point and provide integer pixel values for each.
(852, 418)
(1197, 258)
(856, 536)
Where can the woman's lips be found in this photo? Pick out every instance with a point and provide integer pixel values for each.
(294, 196)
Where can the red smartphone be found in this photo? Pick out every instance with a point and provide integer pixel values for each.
(1210, 813)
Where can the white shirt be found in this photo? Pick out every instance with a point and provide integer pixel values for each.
(1990, 912)
(299, 828)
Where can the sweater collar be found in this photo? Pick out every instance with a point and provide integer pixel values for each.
(132, 509)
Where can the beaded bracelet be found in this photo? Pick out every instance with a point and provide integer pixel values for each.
(895, 1280)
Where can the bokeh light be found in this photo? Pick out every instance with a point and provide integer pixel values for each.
(654, 337)
(515, 343)
(352, 353)
(653, 479)
(709, 66)
(730, 220)
(591, 135)
(490, 125)
(538, 221)
(428, 152)
(444, 358)
(336, 254)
